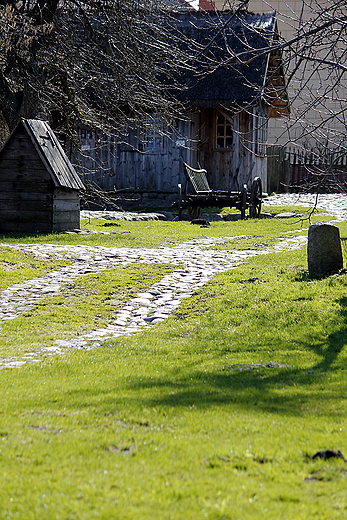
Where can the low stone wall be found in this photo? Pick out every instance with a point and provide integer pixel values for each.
(110, 200)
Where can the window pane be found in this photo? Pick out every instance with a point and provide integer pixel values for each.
(224, 132)
(152, 136)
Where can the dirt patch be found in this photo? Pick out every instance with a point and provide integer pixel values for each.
(6, 266)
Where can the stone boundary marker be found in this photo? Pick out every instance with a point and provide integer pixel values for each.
(324, 250)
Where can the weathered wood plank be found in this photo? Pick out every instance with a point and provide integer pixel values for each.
(22, 162)
(24, 205)
(50, 150)
(24, 196)
(66, 216)
(15, 145)
(66, 221)
(26, 187)
(65, 194)
(65, 205)
(26, 216)
(25, 227)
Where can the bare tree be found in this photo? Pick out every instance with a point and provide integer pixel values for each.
(106, 64)
(317, 66)
(92, 62)
(314, 56)
(314, 59)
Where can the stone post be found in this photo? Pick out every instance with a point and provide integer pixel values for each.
(324, 249)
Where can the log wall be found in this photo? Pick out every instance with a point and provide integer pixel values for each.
(66, 210)
(131, 165)
(26, 189)
(29, 200)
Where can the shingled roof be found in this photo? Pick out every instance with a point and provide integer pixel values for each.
(51, 153)
(217, 39)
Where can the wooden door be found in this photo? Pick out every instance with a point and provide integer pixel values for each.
(216, 150)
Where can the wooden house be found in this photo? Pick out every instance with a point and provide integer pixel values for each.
(39, 188)
(237, 85)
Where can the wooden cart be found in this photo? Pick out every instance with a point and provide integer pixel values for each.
(202, 196)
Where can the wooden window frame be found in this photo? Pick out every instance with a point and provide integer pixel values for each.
(86, 134)
(152, 137)
(221, 131)
(260, 125)
(87, 139)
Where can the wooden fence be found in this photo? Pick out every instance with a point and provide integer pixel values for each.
(291, 169)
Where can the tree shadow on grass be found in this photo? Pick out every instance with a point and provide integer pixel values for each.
(267, 387)
(268, 390)
(335, 342)
(286, 391)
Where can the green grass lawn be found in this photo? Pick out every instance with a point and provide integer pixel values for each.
(214, 413)
(156, 234)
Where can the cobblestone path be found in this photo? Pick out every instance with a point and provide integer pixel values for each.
(196, 265)
(336, 203)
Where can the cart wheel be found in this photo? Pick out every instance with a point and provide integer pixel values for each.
(243, 196)
(193, 212)
(256, 198)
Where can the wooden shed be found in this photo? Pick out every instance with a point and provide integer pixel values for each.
(39, 188)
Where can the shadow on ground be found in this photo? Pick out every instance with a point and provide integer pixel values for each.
(271, 387)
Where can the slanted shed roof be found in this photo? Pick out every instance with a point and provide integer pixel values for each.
(52, 154)
(227, 67)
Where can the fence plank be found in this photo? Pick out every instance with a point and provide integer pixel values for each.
(295, 168)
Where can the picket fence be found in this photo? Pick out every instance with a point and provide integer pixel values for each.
(292, 169)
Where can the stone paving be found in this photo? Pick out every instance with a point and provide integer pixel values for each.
(335, 203)
(196, 264)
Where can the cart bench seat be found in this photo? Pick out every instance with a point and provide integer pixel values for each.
(203, 196)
